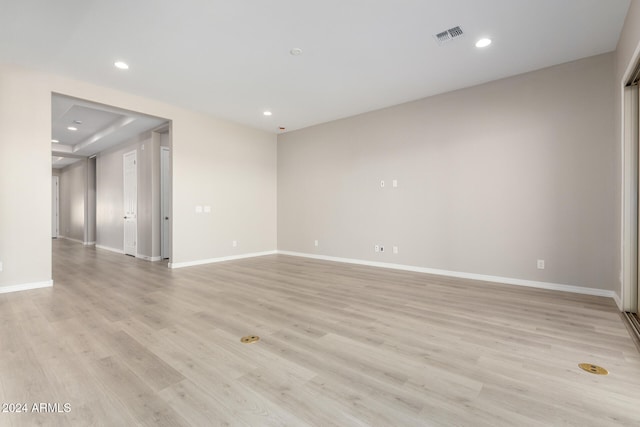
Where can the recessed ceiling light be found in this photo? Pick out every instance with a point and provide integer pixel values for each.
(122, 65)
(483, 42)
(267, 113)
(296, 51)
(55, 141)
(72, 128)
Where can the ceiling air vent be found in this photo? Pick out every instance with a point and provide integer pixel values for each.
(448, 35)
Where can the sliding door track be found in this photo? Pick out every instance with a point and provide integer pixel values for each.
(634, 326)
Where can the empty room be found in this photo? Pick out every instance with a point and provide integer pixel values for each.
(389, 213)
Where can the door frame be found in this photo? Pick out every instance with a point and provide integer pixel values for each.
(630, 132)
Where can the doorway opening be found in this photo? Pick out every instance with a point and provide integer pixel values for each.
(107, 161)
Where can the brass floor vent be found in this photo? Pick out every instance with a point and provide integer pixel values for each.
(593, 369)
(249, 339)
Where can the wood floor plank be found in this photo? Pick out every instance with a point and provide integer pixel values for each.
(198, 407)
(139, 400)
(294, 396)
(129, 342)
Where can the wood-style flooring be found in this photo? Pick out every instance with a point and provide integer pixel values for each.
(127, 342)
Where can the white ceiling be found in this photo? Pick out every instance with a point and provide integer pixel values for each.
(231, 58)
(99, 127)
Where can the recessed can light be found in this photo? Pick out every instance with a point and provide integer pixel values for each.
(121, 64)
(296, 51)
(483, 42)
(267, 113)
(72, 128)
(55, 141)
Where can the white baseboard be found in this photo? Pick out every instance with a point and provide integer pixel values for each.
(221, 259)
(481, 277)
(149, 258)
(107, 248)
(121, 252)
(70, 239)
(77, 241)
(618, 300)
(26, 286)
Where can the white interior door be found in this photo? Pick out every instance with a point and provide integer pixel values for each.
(130, 179)
(55, 207)
(165, 201)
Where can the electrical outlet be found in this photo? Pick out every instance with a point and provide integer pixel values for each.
(395, 183)
(376, 248)
(0, 265)
(395, 250)
(540, 264)
(234, 243)
(315, 243)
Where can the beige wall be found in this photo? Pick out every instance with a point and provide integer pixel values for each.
(490, 179)
(25, 177)
(227, 165)
(232, 169)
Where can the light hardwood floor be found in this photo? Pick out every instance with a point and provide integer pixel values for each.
(128, 342)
